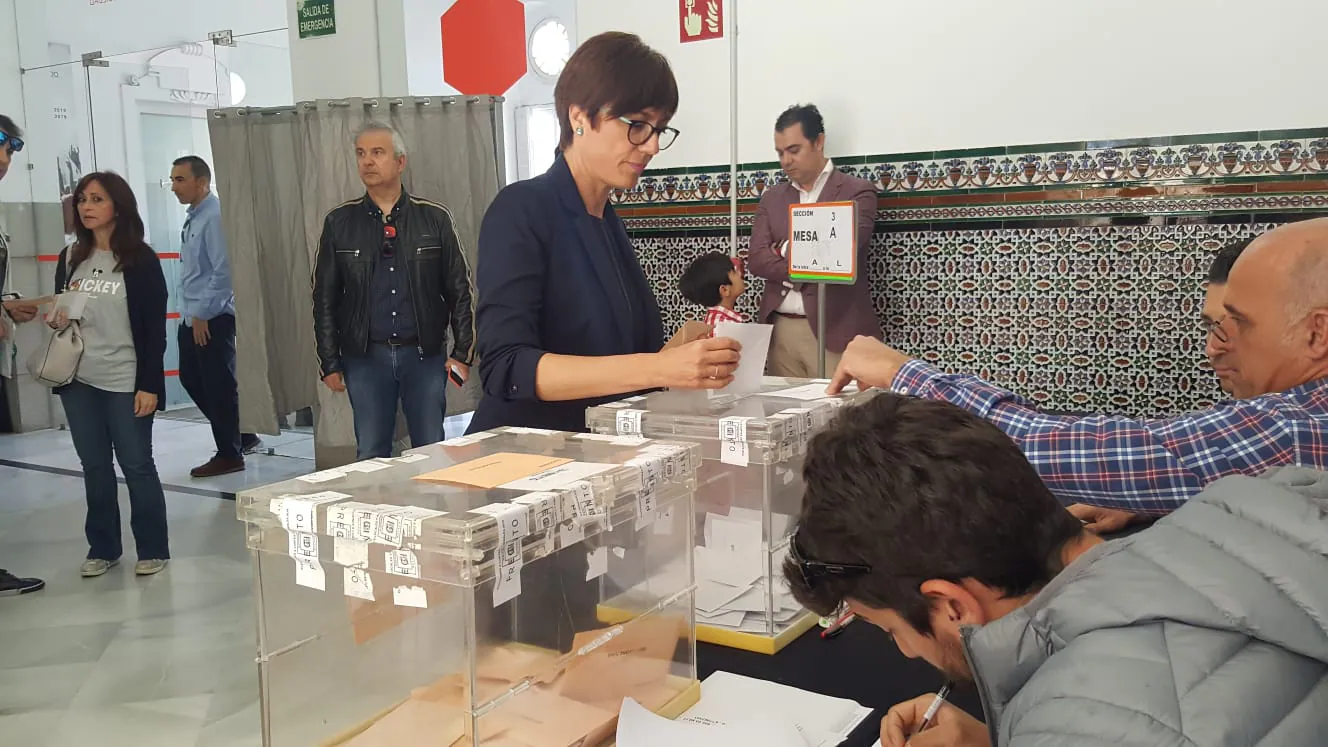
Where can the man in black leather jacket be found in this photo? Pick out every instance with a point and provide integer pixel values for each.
(389, 279)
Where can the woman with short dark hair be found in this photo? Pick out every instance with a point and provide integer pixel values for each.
(120, 382)
(566, 318)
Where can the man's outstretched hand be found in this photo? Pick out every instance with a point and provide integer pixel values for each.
(869, 362)
(1100, 520)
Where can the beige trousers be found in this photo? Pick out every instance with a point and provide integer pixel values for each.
(794, 351)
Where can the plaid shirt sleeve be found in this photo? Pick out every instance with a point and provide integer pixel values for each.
(1147, 466)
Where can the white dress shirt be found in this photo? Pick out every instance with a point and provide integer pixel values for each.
(792, 303)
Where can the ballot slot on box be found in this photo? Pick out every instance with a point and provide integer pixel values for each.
(450, 596)
(748, 496)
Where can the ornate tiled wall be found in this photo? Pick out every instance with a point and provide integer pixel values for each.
(1071, 273)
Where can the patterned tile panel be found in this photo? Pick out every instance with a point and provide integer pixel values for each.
(1156, 161)
(1208, 205)
(1086, 318)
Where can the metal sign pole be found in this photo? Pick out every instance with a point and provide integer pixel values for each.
(820, 325)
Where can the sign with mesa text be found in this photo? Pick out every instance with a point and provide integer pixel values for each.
(823, 242)
(316, 18)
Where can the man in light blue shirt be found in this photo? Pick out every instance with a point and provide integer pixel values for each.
(207, 318)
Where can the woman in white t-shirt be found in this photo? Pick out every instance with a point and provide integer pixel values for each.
(120, 383)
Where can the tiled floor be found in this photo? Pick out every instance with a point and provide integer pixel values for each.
(119, 660)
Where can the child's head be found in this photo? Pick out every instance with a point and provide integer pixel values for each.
(712, 280)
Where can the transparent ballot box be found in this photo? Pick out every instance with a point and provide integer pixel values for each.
(748, 496)
(450, 596)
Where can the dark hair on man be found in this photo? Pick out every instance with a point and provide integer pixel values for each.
(197, 166)
(807, 115)
(702, 279)
(1220, 270)
(614, 73)
(918, 490)
(8, 126)
(126, 239)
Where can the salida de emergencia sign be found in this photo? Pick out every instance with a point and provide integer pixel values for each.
(316, 18)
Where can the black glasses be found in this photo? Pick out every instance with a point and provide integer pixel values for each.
(1215, 328)
(15, 144)
(814, 571)
(639, 133)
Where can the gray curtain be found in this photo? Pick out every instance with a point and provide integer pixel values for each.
(278, 172)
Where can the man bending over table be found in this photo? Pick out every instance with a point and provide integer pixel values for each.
(1205, 629)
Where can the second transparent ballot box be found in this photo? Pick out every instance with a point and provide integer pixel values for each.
(450, 596)
(748, 496)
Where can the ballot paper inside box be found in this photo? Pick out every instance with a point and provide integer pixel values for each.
(749, 493)
(453, 592)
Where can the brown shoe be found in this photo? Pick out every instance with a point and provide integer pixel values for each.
(218, 466)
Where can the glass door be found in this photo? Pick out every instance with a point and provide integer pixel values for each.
(148, 109)
(256, 71)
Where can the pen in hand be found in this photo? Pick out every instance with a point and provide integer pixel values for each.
(935, 706)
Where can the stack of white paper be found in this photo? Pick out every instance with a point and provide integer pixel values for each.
(823, 721)
(638, 727)
(730, 567)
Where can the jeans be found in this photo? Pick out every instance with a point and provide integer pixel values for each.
(377, 381)
(208, 374)
(103, 422)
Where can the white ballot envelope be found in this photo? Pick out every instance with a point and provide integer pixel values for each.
(73, 303)
(755, 342)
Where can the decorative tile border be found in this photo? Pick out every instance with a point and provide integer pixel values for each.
(1089, 318)
(1199, 159)
(1209, 205)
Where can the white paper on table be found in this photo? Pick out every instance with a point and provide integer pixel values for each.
(366, 467)
(755, 342)
(824, 721)
(638, 727)
(809, 392)
(562, 476)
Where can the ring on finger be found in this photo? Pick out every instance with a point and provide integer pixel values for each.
(715, 373)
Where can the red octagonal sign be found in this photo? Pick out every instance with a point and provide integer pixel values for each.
(484, 46)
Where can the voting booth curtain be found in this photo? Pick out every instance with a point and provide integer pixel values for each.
(278, 172)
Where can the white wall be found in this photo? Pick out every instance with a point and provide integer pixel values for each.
(918, 75)
(702, 70)
(120, 26)
(366, 57)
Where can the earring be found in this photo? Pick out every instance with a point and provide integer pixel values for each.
(580, 131)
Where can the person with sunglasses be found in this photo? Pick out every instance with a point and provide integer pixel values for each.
(566, 317)
(1205, 629)
(390, 281)
(1274, 347)
(792, 308)
(11, 142)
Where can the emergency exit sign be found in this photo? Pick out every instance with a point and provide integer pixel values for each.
(316, 18)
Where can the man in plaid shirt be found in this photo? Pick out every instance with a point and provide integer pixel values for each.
(1274, 354)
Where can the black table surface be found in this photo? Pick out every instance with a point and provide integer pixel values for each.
(861, 664)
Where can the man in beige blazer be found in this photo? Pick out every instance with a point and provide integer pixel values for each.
(791, 307)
